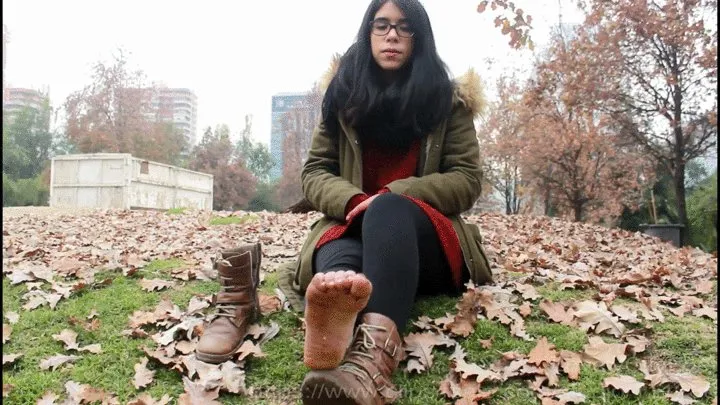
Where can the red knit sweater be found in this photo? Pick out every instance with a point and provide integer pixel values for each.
(380, 168)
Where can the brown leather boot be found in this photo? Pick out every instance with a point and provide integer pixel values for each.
(364, 376)
(237, 304)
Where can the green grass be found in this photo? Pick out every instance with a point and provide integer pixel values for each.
(232, 220)
(176, 211)
(686, 344)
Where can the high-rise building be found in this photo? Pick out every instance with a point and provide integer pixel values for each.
(178, 106)
(281, 104)
(17, 99)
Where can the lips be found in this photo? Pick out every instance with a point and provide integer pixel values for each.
(391, 52)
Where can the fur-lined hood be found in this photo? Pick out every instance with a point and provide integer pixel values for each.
(468, 87)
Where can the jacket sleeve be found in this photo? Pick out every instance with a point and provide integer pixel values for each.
(321, 182)
(458, 183)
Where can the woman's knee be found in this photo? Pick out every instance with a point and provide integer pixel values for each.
(389, 205)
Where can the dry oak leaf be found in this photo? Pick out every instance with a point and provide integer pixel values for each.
(528, 291)
(487, 343)
(624, 383)
(7, 388)
(525, 309)
(233, 378)
(688, 382)
(557, 313)
(570, 363)
(707, 312)
(249, 348)
(420, 345)
(637, 343)
(85, 394)
(571, 397)
(48, 398)
(7, 330)
(595, 315)
(147, 399)
(604, 353)
(543, 352)
(466, 369)
(56, 361)
(12, 317)
(155, 284)
(195, 394)
(143, 377)
(467, 392)
(625, 313)
(10, 358)
(679, 397)
(269, 304)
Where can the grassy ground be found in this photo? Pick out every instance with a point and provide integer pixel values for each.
(688, 344)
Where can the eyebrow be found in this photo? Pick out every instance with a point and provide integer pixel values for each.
(402, 20)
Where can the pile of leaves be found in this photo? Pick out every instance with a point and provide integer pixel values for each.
(634, 279)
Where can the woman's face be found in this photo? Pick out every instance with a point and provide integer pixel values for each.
(390, 38)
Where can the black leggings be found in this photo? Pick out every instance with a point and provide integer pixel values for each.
(395, 246)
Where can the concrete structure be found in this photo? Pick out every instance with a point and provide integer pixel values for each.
(118, 180)
(16, 99)
(178, 106)
(281, 104)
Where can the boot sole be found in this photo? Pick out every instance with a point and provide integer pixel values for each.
(320, 388)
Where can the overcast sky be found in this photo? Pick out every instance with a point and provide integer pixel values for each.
(235, 54)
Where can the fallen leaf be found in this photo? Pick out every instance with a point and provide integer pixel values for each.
(56, 361)
(527, 291)
(7, 389)
(596, 316)
(543, 352)
(7, 330)
(68, 337)
(525, 309)
(143, 377)
(570, 363)
(624, 383)
(12, 317)
(249, 348)
(147, 399)
(706, 312)
(48, 398)
(155, 284)
(10, 358)
(679, 397)
(571, 397)
(486, 344)
(603, 353)
(269, 304)
(233, 378)
(637, 343)
(195, 394)
(557, 313)
(420, 345)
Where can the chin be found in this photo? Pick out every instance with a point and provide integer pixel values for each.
(391, 66)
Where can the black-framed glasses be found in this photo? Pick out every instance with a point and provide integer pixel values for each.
(382, 27)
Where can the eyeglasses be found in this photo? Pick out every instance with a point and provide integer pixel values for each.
(383, 27)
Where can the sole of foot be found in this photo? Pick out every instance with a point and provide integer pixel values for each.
(334, 300)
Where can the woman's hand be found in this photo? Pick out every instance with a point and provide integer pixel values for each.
(359, 208)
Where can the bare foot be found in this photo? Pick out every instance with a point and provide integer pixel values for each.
(333, 302)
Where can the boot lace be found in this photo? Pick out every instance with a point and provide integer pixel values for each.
(361, 347)
(226, 310)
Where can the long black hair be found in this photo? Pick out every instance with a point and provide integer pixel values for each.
(393, 114)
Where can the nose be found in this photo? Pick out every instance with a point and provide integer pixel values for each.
(392, 34)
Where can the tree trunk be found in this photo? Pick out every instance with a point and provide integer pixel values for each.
(679, 179)
(578, 209)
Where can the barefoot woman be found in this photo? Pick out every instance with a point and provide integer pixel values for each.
(392, 165)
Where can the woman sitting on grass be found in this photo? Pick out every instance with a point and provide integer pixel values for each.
(392, 165)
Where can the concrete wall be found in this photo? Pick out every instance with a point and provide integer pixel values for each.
(122, 181)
